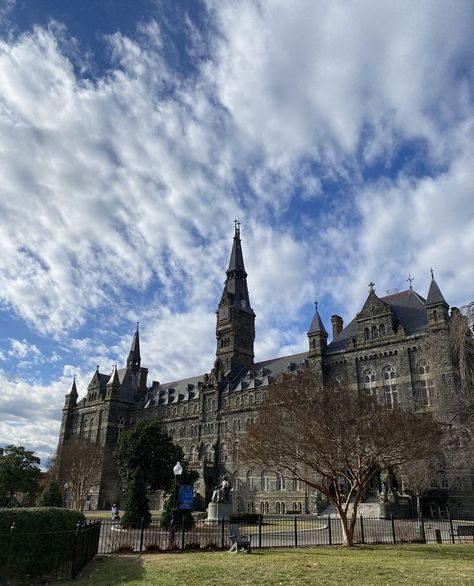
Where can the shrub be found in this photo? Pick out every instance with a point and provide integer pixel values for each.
(179, 516)
(42, 539)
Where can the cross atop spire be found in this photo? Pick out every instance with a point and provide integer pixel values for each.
(138, 323)
(410, 280)
(432, 274)
(237, 226)
(371, 286)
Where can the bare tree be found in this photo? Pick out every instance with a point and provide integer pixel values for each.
(81, 463)
(330, 436)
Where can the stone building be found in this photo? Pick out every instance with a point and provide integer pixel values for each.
(380, 352)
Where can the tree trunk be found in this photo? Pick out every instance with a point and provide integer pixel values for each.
(347, 529)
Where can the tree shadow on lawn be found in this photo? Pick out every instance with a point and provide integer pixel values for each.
(113, 569)
(433, 551)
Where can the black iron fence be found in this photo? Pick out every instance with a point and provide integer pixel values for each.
(35, 558)
(282, 531)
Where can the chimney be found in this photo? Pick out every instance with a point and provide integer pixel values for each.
(337, 325)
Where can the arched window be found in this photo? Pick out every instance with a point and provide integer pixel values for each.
(264, 480)
(296, 482)
(370, 383)
(425, 395)
(236, 452)
(250, 480)
(280, 481)
(366, 334)
(382, 330)
(375, 332)
(390, 387)
(277, 508)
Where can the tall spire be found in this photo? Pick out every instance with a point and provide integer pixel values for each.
(317, 334)
(73, 391)
(134, 358)
(235, 329)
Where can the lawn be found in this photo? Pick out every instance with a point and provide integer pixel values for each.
(365, 565)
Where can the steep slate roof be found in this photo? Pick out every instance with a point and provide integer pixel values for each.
(408, 308)
(434, 294)
(261, 374)
(317, 326)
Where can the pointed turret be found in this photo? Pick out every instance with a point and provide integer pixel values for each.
(71, 397)
(436, 306)
(435, 296)
(235, 329)
(113, 384)
(134, 358)
(317, 334)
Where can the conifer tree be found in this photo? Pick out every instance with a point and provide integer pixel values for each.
(136, 502)
(51, 495)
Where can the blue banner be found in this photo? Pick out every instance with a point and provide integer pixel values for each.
(185, 497)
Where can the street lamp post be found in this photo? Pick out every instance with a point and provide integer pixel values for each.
(177, 471)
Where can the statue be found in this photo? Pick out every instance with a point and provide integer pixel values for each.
(221, 493)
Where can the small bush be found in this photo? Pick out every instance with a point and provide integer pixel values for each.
(41, 540)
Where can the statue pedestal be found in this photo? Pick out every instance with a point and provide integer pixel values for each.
(218, 511)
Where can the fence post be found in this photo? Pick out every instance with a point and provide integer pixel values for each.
(423, 534)
(451, 528)
(142, 527)
(362, 536)
(260, 517)
(222, 533)
(296, 532)
(330, 530)
(393, 528)
(182, 531)
(74, 569)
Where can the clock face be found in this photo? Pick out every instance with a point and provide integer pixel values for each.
(223, 313)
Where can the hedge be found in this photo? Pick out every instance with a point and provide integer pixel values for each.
(42, 539)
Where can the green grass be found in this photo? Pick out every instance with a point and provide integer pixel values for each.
(409, 565)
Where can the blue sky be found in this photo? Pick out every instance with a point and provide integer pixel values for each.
(132, 134)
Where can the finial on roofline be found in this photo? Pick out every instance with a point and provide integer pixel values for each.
(410, 280)
(316, 304)
(432, 274)
(371, 286)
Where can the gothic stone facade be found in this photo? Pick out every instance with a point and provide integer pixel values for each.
(379, 352)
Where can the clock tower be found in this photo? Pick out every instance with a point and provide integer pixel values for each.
(235, 329)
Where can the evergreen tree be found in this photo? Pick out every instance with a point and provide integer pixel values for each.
(51, 495)
(136, 502)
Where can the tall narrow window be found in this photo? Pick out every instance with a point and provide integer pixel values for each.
(390, 387)
(426, 388)
(250, 483)
(370, 383)
(381, 330)
(264, 480)
(366, 334)
(375, 332)
(280, 481)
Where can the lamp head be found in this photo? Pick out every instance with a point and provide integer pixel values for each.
(178, 469)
